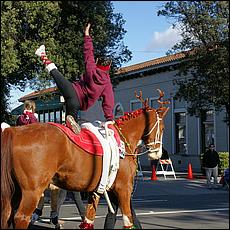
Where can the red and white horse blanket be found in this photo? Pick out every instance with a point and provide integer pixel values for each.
(101, 141)
(87, 139)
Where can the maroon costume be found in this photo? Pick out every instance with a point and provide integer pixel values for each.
(94, 83)
(26, 118)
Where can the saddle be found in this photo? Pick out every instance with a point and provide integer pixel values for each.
(101, 139)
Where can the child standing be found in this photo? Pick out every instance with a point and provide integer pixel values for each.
(28, 116)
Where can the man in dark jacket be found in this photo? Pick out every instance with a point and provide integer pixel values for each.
(211, 161)
(95, 83)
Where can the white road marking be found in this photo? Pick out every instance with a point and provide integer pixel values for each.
(149, 213)
(103, 202)
(182, 211)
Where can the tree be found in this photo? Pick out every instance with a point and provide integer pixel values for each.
(205, 33)
(25, 25)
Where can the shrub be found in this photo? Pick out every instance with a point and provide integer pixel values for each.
(224, 161)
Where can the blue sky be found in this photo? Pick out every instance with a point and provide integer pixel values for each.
(148, 36)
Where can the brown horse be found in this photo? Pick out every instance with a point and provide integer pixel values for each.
(34, 155)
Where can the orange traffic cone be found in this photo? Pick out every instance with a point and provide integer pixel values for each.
(154, 176)
(189, 176)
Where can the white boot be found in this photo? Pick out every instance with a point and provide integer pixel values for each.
(41, 51)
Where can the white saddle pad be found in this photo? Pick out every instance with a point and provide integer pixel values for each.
(110, 153)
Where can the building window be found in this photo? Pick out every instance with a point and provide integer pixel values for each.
(58, 116)
(46, 116)
(181, 145)
(208, 125)
(63, 117)
(135, 104)
(118, 110)
(51, 116)
(154, 103)
(41, 116)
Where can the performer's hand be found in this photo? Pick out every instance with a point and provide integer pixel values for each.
(87, 28)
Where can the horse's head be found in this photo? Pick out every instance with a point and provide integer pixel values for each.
(154, 126)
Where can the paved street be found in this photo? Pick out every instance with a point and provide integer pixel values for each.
(161, 204)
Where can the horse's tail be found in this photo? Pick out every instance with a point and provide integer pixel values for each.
(7, 185)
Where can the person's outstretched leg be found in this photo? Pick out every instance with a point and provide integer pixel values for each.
(66, 89)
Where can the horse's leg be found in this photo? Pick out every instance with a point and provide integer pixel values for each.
(26, 207)
(124, 198)
(91, 208)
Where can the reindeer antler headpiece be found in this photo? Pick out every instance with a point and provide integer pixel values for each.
(144, 102)
(159, 99)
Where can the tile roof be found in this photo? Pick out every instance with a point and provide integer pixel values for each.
(151, 63)
(120, 71)
(37, 93)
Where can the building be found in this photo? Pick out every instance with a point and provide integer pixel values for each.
(185, 136)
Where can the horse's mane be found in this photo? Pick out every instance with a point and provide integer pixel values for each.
(128, 115)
